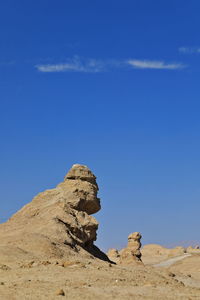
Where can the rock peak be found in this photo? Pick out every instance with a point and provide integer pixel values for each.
(81, 172)
(81, 189)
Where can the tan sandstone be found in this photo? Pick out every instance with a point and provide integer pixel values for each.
(129, 255)
(57, 222)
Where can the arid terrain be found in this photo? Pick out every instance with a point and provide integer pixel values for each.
(47, 251)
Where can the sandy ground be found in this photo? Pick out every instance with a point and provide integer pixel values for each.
(189, 267)
(98, 280)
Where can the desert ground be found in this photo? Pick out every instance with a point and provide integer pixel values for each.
(95, 279)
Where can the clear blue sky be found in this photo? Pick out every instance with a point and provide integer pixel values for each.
(113, 85)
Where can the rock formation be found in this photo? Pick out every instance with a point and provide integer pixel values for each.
(129, 255)
(57, 222)
(132, 252)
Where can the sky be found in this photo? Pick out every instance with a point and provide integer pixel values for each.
(113, 85)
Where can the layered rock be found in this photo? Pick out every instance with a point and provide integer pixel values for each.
(57, 222)
(129, 255)
(80, 189)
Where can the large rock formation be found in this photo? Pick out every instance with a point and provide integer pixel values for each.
(57, 222)
(129, 255)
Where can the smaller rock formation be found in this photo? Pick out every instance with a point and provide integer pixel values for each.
(129, 255)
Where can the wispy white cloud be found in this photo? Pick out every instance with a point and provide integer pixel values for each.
(77, 64)
(154, 64)
(74, 65)
(189, 50)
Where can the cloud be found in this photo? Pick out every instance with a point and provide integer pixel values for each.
(189, 50)
(154, 64)
(77, 64)
(74, 65)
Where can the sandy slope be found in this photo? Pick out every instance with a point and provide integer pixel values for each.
(91, 280)
(189, 267)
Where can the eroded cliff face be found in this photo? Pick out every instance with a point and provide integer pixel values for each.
(57, 222)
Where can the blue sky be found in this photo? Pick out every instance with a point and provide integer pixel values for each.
(113, 85)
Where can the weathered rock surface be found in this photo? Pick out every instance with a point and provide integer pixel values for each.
(57, 222)
(80, 189)
(129, 255)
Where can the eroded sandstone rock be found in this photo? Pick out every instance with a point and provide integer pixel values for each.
(129, 255)
(57, 222)
(80, 189)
